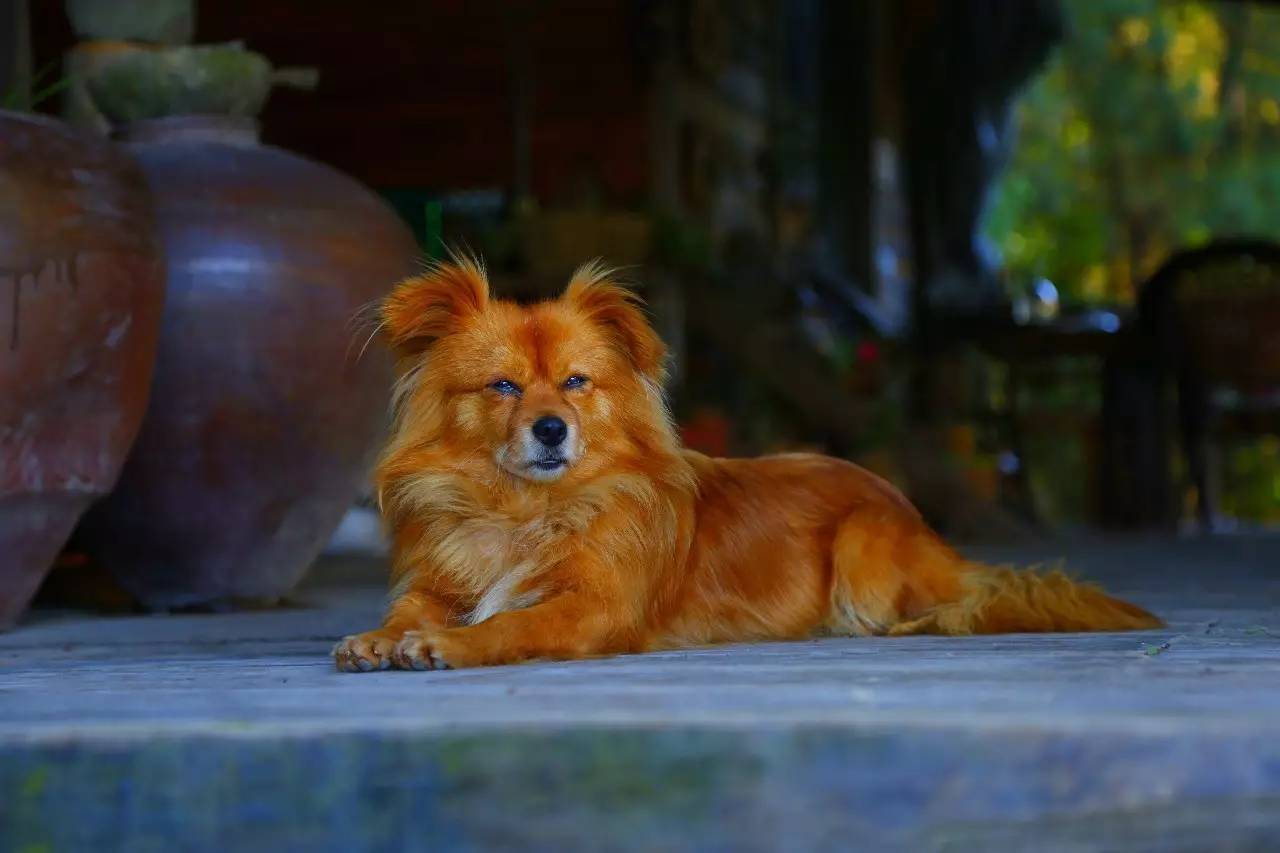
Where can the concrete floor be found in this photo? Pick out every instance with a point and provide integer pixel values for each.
(232, 731)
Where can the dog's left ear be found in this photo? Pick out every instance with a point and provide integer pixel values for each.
(618, 311)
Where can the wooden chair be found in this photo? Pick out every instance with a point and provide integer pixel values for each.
(1211, 317)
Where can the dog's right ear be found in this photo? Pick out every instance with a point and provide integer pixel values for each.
(429, 306)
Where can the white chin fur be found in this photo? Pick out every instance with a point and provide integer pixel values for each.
(520, 456)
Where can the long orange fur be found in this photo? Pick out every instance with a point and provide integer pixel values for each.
(638, 544)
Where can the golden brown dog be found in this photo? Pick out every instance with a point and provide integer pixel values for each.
(540, 506)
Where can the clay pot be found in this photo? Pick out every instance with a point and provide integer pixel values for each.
(264, 417)
(81, 288)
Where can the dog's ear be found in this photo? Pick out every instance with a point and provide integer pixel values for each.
(429, 306)
(618, 311)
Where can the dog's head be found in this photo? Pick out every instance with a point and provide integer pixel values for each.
(544, 392)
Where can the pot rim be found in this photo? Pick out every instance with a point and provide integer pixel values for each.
(191, 127)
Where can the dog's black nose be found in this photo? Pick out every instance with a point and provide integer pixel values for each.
(550, 430)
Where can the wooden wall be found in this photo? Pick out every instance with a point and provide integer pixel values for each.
(419, 93)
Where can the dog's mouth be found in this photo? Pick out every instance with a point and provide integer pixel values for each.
(537, 462)
(546, 465)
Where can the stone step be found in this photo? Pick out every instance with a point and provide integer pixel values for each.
(232, 731)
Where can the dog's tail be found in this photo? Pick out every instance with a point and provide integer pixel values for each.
(1001, 600)
(913, 583)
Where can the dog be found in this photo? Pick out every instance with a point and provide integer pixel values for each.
(539, 506)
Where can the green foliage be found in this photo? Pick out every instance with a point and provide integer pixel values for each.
(43, 87)
(1155, 127)
(1251, 480)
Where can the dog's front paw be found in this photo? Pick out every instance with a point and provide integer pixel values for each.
(366, 652)
(416, 651)
(428, 649)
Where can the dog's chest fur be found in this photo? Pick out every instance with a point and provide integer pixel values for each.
(495, 556)
(493, 546)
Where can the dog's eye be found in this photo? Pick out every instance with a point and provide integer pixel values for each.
(577, 380)
(505, 386)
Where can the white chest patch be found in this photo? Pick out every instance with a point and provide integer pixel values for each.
(503, 596)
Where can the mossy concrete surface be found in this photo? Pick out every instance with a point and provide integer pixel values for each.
(231, 731)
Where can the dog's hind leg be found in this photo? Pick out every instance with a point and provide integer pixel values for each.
(887, 569)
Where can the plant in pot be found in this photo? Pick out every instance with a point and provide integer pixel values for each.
(264, 415)
(81, 289)
(107, 29)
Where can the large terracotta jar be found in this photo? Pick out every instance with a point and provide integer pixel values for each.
(265, 414)
(81, 288)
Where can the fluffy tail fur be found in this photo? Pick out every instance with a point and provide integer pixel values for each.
(897, 577)
(996, 600)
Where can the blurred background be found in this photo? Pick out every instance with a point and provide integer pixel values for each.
(1016, 257)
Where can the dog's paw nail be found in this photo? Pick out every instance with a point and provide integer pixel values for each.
(363, 665)
(419, 664)
(385, 663)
